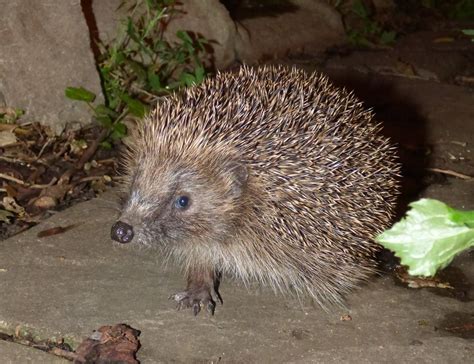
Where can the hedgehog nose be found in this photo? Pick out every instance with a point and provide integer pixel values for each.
(121, 232)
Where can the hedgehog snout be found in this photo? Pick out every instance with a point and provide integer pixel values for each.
(122, 232)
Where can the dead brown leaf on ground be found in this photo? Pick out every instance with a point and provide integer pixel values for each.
(109, 344)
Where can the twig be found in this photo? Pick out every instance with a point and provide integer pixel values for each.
(43, 148)
(52, 182)
(451, 173)
(23, 183)
(61, 151)
(91, 150)
(11, 160)
(106, 161)
(90, 178)
(12, 179)
(65, 354)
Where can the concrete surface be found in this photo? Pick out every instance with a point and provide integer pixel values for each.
(69, 284)
(12, 353)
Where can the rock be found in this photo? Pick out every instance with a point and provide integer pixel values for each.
(208, 18)
(307, 27)
(45, 48)
(106, 15)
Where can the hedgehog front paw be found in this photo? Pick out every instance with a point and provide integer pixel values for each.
(197, 298)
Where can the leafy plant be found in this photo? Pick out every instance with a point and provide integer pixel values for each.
(430, 236)
(370, 31)
(10, 115)
(462, 10)
(106, 116)
(454, 9)
(140, 65)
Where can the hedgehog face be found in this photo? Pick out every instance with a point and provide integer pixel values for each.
(169, 207)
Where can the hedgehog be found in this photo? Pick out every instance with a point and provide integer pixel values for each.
(268, 174)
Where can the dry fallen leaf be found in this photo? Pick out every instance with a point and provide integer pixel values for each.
(443, 40)
(346, 317)
(405, 68)
(10, 205)
(55, 230)
(5, 216)
(7, 138)
(42, 171)
(110, 344)
(420, 282)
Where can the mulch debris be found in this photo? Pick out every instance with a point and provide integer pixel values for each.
(41, 172)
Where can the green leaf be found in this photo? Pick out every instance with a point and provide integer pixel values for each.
(469, 32)
(106, 145)
(180, 57)
(153, 22)
(430, 236)
(138, 70)
(105, 120)
(105, 115)
(388, 37)
(199, 74)
(131, 31)
(80, 94)
(119, 131)
(117, 58)
(360, 9)
(135, 107)
(187, 79)
(184, 36)
(104, 110)
(161, 46)
(462, 217)
(154, 81)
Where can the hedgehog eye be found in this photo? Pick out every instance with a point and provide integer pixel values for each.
(182, 202)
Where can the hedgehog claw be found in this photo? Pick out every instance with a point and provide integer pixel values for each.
(195, 299)
(196, 308)
(211, 307)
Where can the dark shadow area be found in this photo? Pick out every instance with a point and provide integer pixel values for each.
(405, 126)
(91, 22)
(247, 9)
(460, 324)
(461, 286)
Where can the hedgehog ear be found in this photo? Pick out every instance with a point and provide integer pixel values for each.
(239, 174)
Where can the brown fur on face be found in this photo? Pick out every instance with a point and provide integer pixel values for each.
(210, 215)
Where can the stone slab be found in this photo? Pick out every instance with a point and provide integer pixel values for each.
(72, 283)
(11, 353)
(44, 48)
